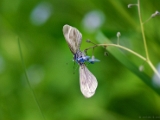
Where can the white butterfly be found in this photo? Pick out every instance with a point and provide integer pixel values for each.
(88, 82)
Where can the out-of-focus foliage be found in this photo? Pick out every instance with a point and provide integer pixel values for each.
(121, 95)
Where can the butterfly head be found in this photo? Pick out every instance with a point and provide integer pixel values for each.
(80, 57)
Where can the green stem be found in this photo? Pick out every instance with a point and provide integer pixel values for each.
(25, 73)
(118, 40)
(142, 29)
(129, 50)
(144, 41)
(122, 47)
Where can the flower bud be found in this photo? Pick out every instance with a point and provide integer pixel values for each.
(155, 14)
(130, 5)
(118, 34)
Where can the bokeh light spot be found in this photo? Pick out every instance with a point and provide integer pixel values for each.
(41, 13)
(93, 20)
(156, 79)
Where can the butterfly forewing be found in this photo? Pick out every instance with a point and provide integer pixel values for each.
(88, 82)
(73, 38)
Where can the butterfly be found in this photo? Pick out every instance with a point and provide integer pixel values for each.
(88, 82)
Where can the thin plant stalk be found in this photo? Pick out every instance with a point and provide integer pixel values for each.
(144, 42)
(25, 72)
(142, 30)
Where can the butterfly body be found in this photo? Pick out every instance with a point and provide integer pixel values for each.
(81, 58)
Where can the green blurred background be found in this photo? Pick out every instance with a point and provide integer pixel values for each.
(55, 93)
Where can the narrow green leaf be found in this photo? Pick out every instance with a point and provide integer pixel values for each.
(122, 58)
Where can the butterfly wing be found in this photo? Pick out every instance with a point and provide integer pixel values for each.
(88, 82)
(73, 38)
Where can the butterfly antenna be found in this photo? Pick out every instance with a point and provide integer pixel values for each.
(91, 42)
(105, 53)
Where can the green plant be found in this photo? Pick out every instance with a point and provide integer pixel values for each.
(101, 38)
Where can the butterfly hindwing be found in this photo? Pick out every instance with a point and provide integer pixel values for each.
(88, 82)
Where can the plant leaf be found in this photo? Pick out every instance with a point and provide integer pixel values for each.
(122, 58)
